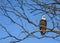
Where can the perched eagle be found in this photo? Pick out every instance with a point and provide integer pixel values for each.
(43, 24)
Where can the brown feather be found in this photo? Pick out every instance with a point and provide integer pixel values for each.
(43, 25)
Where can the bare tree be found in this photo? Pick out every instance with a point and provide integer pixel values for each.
(19, 14)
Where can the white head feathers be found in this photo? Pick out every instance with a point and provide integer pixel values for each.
(43, 17)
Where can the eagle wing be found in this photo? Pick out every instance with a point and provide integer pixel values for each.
(43, 25)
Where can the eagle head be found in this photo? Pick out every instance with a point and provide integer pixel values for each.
(43, 17)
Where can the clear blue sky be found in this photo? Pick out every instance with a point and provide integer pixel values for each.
(16, 30)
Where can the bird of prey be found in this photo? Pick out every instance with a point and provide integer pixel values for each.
(42, 25)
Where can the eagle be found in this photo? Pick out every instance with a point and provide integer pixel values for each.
(43, 25)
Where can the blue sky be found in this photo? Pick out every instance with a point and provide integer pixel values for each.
(16, 30)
